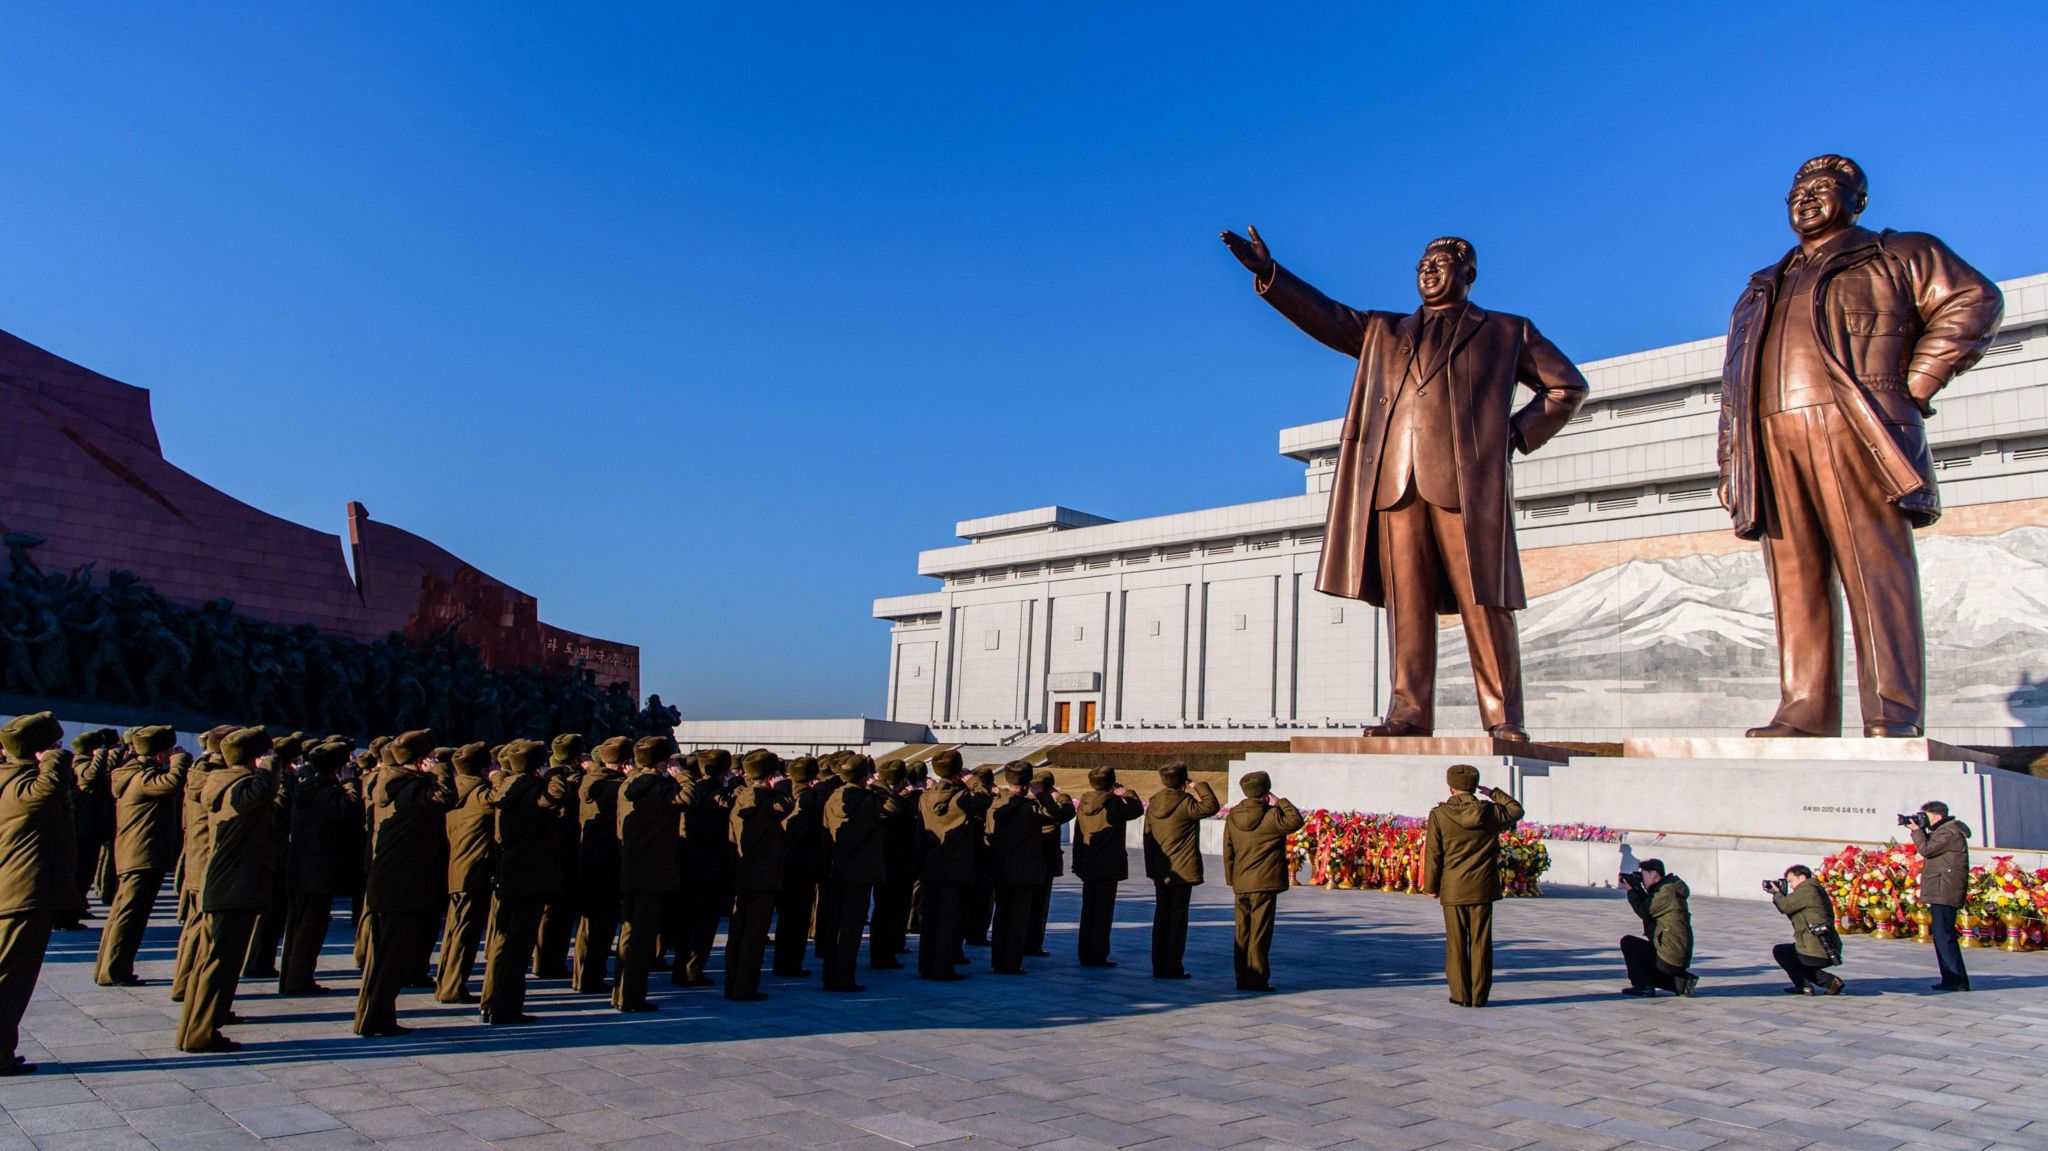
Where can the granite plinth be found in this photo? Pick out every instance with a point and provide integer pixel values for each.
(1861, 751)
(1476, 746)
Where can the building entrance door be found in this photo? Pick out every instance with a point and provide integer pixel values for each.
(1087, 716)
(1062, 714)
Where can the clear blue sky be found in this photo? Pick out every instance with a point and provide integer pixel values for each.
(699, 322)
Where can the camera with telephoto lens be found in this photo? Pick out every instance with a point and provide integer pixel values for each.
(1633, 880)
(1917, 819)
(1775, 886)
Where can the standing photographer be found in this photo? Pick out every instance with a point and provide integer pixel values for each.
(1944, 846)
(1659, 962)
(1815, 946)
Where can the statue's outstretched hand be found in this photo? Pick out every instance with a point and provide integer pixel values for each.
(1252, 253)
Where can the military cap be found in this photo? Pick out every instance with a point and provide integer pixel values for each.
(986, 773)
(802, 769)
(444, 753)
(152, 740)
(1041, 778)
(1102, 778)
(471, 759)
(365, 763)
(653, 751)
(1017, 774)
(918, 771)
(289, 748)
(87, 742)
(1255, 784)
(411, 747)
(378, 745)
(854, 768)
(946, 764)
(327, 756)
(714, 761)
(889, 773)
(241, 748)
(612, 752)
(209, 740)
(1174, 775)
(524, 755)
(27, 736)
(567, 748)
(760, 764)
(1462, 777)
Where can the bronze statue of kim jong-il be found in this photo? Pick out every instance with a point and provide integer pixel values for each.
(1835, 353)
(1421, 520)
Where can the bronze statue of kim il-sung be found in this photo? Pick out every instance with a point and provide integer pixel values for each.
(1835, 353)
(1421, 519)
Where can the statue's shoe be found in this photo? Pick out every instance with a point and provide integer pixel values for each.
(1777, 730)
(1891, 731)
(1397, 731)
(1513, 732)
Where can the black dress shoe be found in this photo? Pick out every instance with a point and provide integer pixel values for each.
(465, 997)
(700, 981)
(946, 977)
(1038, 955)
(126, 981)
(1640, 992)
(1512, 732)
(1835, 986)
(1891, 731)
(1258, 987)
(1099, 963)
(1398, 731)
(1686, 984)
(309, 989)
(1799, 990)
(19, 1066)
(747, 996)
(640, 1008)
(494, 1019)
(799, 973)
(391, 1032)
(218, 1045)
(844, 987)
(886, 965)
(1777, 730)
(1011, 971)
(1171, 975)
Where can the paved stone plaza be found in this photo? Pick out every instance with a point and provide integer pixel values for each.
(1358, 1050)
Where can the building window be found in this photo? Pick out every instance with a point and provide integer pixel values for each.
(1615, 503)
(1078, 634)
(992, 641)
(1155, 628)
(1688, 495)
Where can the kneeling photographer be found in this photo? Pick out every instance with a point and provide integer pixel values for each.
(1815, 947)
(1659, 962)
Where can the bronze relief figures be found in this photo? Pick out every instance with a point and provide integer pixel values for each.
(1835, 353)
(1421, 519)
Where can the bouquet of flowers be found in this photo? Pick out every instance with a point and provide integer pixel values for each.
(1878, 889)
(1354, 849)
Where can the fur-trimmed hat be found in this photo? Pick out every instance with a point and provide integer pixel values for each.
(290, 749)
(525, 755)
(889, 773)
(1017, 774)
(471, 759)
(653, 750)
(567, 748)
(1462, 777)
(1102, 778)
(1041, 778)
(612, 752)
(714, 761)
(1174, 775)
(209, 740)
(1256, 785)
(946, 764)
(242, 747)
(760, 764)
(328, 756)
(87, 742)
(854, 768)
(152, 740)
(27, 736)
(802, 769)
(411, 747)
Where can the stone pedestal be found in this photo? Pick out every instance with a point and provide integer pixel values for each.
(1832, 750)
(1478, 747)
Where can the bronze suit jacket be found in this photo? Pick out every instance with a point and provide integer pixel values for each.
(1491, 354)
(1899, 316)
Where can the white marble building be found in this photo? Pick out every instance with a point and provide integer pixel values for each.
(1645, 611)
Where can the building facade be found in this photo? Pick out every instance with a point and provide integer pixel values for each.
(1645, 612)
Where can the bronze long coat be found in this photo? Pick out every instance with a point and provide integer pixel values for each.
(1491, 354)
(1899, 316)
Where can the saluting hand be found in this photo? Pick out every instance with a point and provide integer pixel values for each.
(1252, 253)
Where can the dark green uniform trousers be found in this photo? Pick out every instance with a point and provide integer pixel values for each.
(1468, 952)
(639, 929)
(938, 938)
(888, 935)
(1011, 933)
(594, 935)
(1098, 916)
(1254, 939)
(190, 926)
(849, 913)
(515, 929)
(746, 941)
(700, 907)
(461, 934)
(393, 939)
(121, 938)
(1170, 928)
(23, 940)
(306, 916)
(222, 948)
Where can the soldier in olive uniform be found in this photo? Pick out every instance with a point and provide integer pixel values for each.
(856, 819)
(147, 785)
(240, 801)
(1059, 811)
(1257, 868)
(261, 962)
(471, 828)
(979, 911)
(93, 756)
(326, 809)
(1015, 827)
(567, 762)
(889, 931)
(650, 863)
(192, 860)
(705, 894)
(1461, 867)
(409, 802)
(803, 866)
(1100, 859)
(38, 880)
(755, 827)
(597, 863)
(1173, 861)
(952, 819)
(528, 806)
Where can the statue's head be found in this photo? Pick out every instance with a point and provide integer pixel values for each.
(1828, 193)
(1445, 273)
